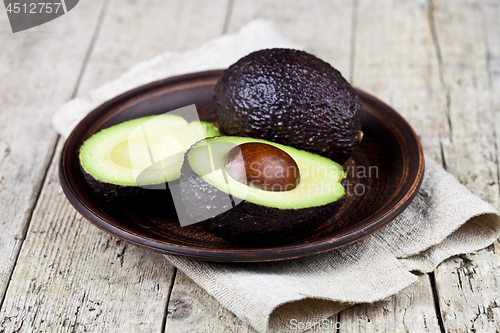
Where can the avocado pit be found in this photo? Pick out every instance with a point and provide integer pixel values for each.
(262, 166)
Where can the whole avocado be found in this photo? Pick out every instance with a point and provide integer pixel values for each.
(290, 97)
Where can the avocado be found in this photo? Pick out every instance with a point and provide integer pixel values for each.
(136, 156)
(290, 97)
(248, 214)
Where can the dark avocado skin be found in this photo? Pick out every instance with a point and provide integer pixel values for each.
(290, 97)
(111, 191)
(247, 224)
(114, 193)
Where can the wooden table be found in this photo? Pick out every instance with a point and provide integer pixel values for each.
(437, 62)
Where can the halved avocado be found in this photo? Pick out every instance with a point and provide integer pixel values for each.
(254, 217)
(124, 160)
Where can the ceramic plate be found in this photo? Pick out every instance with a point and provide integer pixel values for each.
(384, 174)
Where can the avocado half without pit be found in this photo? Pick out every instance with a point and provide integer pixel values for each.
(256, 193)
(130, 159)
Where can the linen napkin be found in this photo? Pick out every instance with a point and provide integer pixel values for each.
(443, 220)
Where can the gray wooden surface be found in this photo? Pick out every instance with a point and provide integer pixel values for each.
(437, 62)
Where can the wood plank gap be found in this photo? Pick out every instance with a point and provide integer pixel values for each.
(30, 217)
(102, 15)
(172, 281)
(354, 28)
(441, 148)
(435, 41)
(229, 13)
(78, 311)
(435, 296)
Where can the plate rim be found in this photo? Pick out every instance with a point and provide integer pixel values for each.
(263, 254)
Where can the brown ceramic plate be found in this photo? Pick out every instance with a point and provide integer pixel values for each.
(390, 155)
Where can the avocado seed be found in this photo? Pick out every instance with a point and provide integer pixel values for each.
(262, 166)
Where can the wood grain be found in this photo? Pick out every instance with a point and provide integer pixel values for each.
(320, 27)
(70, 275)
(139, 30)
(492, 32)
(471, 153)
(39, 70)
(468, 39)
(411, 310)
(395, 59)
(192, 310)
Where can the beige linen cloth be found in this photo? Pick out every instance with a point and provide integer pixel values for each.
(444, 219)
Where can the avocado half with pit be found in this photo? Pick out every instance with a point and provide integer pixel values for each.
(247, 213)
(139, 155)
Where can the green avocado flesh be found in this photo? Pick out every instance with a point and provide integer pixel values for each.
(149, 148)
(320, 181)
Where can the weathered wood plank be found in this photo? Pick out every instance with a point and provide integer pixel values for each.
(70, 275)
(39, 69)
(321, 27)
(468, 291)
(411, 310)
(461, 35)
(140, 30)
(491, 10)
(395, 60)
(468, 36)
(192, 310)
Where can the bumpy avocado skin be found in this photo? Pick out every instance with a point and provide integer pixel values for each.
(114, 193)
(290, 97)
(247, 224)
(110, 191)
